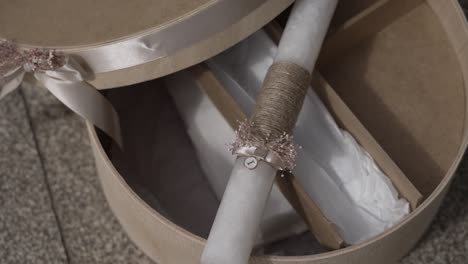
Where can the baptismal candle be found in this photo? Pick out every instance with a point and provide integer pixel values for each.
(236, 224)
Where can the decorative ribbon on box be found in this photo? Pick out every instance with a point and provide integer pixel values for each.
(64, 78)
(65, 72)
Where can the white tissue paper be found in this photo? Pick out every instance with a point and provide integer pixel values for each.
(210, 134)
(337, 173)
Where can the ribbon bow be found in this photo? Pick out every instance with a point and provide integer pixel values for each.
(64, 77)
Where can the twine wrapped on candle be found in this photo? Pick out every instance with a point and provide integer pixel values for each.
(280, 99)
(278, 105)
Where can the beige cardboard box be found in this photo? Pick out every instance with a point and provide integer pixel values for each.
(400, 67)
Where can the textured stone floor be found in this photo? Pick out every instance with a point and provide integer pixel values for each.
(52, 209)
(90, 233)
(29, 229)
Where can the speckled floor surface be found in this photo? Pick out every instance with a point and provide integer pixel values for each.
(52, 209)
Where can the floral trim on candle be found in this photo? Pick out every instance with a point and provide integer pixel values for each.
(283, 147)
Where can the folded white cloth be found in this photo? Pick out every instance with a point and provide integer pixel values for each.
(210, 134)
(337, 173)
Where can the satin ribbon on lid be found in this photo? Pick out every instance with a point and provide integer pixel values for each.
(166, 39)
(64, 77)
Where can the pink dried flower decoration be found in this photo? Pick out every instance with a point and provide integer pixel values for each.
(282, 146)
(11, 57)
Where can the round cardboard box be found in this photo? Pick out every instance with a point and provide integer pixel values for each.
(184, 32)
(406, 82)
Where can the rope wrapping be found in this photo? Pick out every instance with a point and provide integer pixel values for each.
(267, 134)
(280, 100)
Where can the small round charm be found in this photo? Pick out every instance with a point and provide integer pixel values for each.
(250, 163)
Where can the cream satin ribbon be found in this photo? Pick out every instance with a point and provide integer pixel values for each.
(68, 84)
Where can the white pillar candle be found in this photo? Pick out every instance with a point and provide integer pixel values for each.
(238, 218)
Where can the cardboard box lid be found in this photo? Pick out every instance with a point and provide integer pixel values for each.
(179, 33)
(85, 22)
